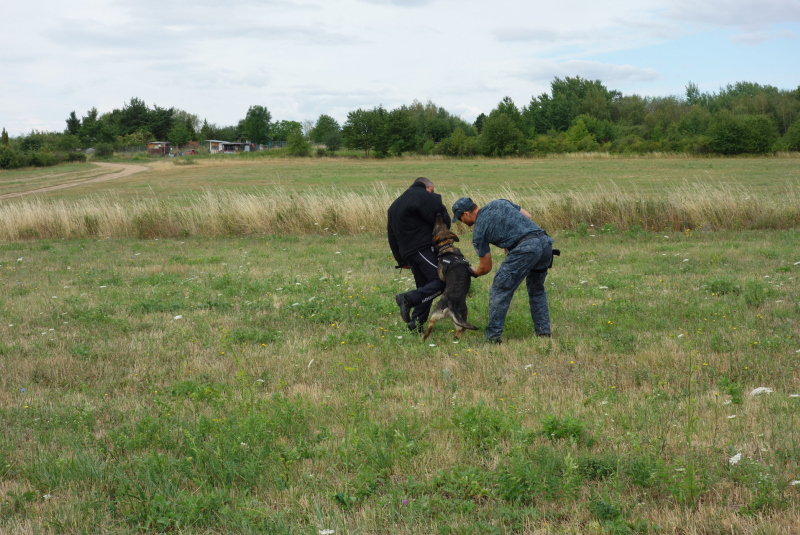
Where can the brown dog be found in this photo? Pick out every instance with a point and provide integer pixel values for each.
(454, 271)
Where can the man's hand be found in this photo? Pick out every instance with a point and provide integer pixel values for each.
(484, 265)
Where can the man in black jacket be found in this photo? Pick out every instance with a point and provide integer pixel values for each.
(410, 229)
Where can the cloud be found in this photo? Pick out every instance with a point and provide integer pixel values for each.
(398, 3)
(739, 14)
(543, 35)
(608, 73)
(756, 38)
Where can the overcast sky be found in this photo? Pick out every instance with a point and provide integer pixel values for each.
(301, 59)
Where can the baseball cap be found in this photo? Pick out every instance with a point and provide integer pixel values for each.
(460, 206)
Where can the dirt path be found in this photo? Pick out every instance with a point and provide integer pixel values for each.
(113, 171)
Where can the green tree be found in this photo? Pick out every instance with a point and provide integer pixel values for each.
(325, 126)
(478, 124)
(500, 136)
(4, 138)
(400, 131)
(282, 129)
(161, 122)
(333, 141)
(206, 131)
(792, 137)
(73, 124)
(179, 135)
(364, 130)
(8, 157)
(257, 124)
(134, 116)
(507, 107)
(90, 128)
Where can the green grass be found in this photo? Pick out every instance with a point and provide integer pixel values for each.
(559, 174)
(263, 384)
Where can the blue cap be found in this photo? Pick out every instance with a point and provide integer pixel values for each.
(460, 206)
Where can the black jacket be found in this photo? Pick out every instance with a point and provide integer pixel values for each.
(411, 219)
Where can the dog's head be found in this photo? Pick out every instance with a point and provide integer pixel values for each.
(442, 236)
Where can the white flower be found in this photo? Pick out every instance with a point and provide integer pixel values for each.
(326, 532)
(178, 317)
(795, 482)
(297, 284)
(685, 259)
(399, 337)
(680, 336)
(46, 496)
(604, 287)
(259, 380)
(761, 390)
(338, 252)
(19, 259)
(432, 345)
(455, 341)
(584, 282)
(731, 417)
(104, 286)
(527, 366)
(794, 395)
(735, 459)
(295, 304)
(727, 402)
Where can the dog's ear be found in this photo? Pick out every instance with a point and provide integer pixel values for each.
(455, 238)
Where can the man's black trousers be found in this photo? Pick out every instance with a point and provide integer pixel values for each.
(429, 286)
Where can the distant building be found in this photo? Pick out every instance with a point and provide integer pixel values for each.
(216, 146)
(158, 148)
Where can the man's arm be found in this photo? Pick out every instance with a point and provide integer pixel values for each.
(525, 213)
(484, 265)
(395, 247)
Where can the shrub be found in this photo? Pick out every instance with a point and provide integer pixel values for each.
(8, 158)
(76, 157)
(792, 137)
(104, 150)
(297, 145)
(501, 137)
(741, 134)
(569, 427)
(333, 141)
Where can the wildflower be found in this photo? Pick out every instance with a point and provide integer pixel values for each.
(761, 390)
(46, 496)
(795, 482)
(178, 317)
(399, 337)
(432, 345)
(23, 390)
(731, 417)
(735, 459)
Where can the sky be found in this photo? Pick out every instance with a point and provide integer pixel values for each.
(301, 59)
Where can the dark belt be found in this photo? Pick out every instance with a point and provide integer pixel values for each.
(526, 237)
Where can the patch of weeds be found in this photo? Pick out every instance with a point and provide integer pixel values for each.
(568, 427)
(196, 261)
(636, 231)
(609, 228)
(645, 471)
(266, 336)
(597, 468)
(149, 306)
(723, 286)
(483, 425)
(12, 247)
(470, 483)
(732, 388)
(765, 485)
(612, 517)
(156, 279)
(197, 391)
(83, 352)
(540, 475)
(755, 293)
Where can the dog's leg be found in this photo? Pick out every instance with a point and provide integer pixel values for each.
(435, 316)
(459, 332)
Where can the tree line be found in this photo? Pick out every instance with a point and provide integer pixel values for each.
(577, 115)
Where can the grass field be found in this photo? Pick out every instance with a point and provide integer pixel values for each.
(653, 175)
(263, 384)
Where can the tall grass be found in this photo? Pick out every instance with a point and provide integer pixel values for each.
(285, 211)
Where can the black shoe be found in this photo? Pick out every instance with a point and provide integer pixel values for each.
(494, 341)
(543, 335)
(405, 308)
(415, 327)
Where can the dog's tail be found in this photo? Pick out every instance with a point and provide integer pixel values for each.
(461, 322)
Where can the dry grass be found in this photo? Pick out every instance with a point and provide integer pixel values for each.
(284, 211)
